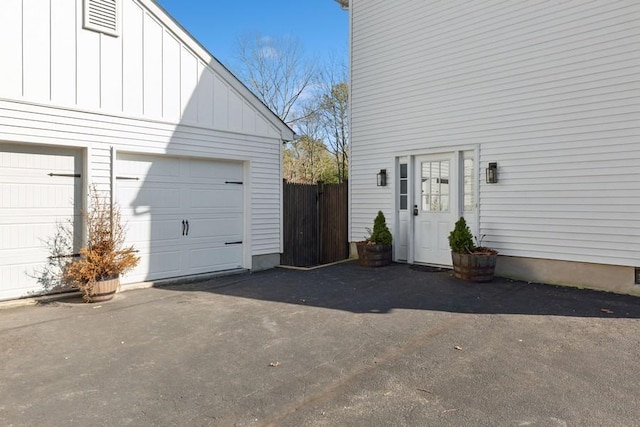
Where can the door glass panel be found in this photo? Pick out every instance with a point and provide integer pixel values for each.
(404, 187)
(435, 186)
(469, 187)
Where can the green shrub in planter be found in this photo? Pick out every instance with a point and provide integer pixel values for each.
(381, 234)
(470, 262)
(461, 239)
(376, 250)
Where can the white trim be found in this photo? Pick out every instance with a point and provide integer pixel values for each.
(281, 195)
(247, 238)
(411, 201)
(444, 149)
(113, 189)
(476, 154)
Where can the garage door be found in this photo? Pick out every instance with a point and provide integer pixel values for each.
(184, 216)
(38, 188)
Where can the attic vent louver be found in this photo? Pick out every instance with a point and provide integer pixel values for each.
(102, 16)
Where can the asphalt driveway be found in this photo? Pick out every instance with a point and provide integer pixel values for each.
(337, 346)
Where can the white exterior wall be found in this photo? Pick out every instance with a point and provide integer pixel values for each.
(151, 90)
(548, 90)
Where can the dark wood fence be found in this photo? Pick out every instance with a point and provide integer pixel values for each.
(315, 224)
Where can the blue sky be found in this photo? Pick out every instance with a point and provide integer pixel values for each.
(320, 25)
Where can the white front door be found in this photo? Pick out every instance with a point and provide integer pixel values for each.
(436, 206)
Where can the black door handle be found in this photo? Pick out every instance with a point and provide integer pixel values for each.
(187, 227)
(183, 227)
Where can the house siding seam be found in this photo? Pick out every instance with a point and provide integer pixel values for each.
(548, 90)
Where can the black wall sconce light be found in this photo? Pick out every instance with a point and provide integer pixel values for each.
(382, 178)
(492, 173)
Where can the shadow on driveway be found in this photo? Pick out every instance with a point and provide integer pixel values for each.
(351, 288)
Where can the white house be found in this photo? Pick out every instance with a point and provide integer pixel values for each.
(547, 92)
(116, 94)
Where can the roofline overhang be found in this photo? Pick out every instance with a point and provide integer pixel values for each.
(344, 4)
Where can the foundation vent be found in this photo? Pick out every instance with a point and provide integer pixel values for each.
(637, 276)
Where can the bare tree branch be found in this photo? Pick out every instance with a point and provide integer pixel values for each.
(276, 71)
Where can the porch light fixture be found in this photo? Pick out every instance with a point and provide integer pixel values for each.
(382, 178)
(492, 173)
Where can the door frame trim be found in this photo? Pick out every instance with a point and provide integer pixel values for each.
(457, 154)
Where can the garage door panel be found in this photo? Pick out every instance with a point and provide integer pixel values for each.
(156, 205)
(32, 204)
(142, 198)
(155, 265)
(42, 195)
(222, 258)
(149, 168)
(140, 232)
(216, 230)
(20, 279)
(30, 235)
(215, 171)
(211, 198)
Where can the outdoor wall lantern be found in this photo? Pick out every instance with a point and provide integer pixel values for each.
(492, 173)
(382, 178)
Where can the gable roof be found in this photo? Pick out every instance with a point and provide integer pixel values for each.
(287, 134)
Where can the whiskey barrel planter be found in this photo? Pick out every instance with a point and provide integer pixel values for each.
(104, 290)
(373, 255)
(474, 267)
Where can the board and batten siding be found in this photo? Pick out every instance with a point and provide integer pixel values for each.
(151, 90)
(548, 90)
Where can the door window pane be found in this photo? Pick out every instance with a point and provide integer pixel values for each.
(403, 170)
(469, 186)
(435, 186)
(403, 186)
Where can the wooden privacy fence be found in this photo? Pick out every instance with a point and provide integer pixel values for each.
(315, 224)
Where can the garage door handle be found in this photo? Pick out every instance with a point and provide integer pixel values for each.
(239, 242)
(187, 227)
(183, 227)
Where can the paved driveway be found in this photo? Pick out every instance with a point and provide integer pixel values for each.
(338, 346)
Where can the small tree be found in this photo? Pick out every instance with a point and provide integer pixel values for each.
(461, 239)
(381, 234)
(105, 256)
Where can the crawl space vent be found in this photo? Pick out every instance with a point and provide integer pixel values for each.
(102, 16)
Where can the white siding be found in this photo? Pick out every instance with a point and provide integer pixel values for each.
(152, 67)
(63, 52)
(37, 124)
(548, 90)
(171, 78)
(152, 90)
(11, 53)
(152, 71)
(36, 50)
(132, 59)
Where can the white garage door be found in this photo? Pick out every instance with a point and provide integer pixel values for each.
(38, 188)
(184, 216)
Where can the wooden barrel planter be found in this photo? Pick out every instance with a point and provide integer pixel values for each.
(475, 267)
(373, 255)
(104, 290)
